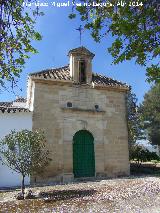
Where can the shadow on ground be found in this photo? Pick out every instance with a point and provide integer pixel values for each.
(58, 195)
(143, 169)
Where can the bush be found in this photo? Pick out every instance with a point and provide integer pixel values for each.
(140, 154)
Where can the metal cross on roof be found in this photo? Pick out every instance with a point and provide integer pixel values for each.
(80, 29)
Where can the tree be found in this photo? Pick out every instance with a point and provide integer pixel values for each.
(25, 152)
(16, 35)
(133, 119)
(150, 114)
(140, 154)
(134, 25)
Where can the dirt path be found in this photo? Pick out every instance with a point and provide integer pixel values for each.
(133, 195)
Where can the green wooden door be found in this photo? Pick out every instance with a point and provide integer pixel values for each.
(83, 154)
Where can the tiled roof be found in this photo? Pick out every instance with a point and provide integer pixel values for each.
(13, 109)
(10, 107)
(21, 99)
(10, 103)
(99, 79)
(63, 73)
(6, 104)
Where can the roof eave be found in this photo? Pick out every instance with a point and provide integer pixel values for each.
(109, 87)
(39, 79)
(71, 82)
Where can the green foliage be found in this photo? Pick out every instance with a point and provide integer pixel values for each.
(153, 73)
(16, 34)
(25, 152)
(139, 154)
(133, 118)
(136, 30)
(150, 114)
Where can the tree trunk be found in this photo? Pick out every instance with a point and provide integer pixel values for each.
(23, 186)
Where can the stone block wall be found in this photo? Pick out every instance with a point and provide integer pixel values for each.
(107, 125)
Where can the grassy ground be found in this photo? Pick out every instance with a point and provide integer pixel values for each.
(125, 195)
(145, 168)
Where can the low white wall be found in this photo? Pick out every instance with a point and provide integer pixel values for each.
(8, 122)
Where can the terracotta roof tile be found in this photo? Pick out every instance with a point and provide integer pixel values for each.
(13, 109)
(6, 104)
(103, 80)
(10, 107)
(57, 73)
(63, 73)
(21, 99)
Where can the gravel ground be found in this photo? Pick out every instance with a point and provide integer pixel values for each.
(124, 195)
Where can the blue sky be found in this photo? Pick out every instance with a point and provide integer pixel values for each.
(59, 36)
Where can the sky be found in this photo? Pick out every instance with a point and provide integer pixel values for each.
(59, 36)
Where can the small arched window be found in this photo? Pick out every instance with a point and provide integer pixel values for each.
(82, 71)
(69, 104)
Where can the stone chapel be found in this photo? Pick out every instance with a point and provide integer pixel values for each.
(83, 115)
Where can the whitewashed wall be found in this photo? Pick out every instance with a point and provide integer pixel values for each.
(8, 122)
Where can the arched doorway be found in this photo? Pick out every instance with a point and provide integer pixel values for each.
(83, 154)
